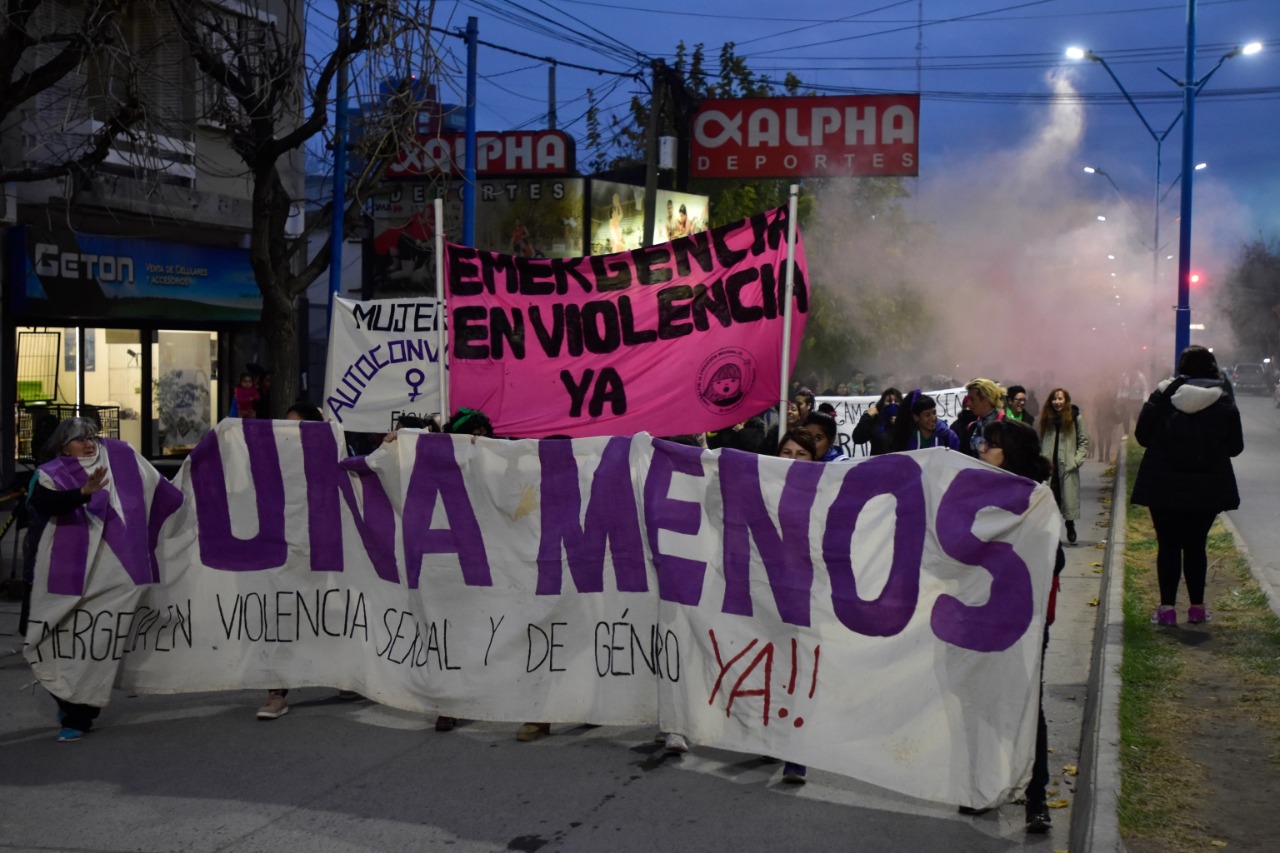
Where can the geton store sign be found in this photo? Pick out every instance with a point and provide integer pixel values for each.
(851, 135)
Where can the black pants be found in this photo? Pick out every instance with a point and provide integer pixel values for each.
(78, 717)
(1040, 767)
(1180, 552)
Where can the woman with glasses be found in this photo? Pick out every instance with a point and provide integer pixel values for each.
(1014, 447)
(1065, 441)
(73, 444)
(1016, 406)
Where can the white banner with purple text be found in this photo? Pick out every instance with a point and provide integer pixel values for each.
(881, 619)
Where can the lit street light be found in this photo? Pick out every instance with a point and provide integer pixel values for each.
(1190, 88)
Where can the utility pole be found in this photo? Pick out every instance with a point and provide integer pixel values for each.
(551, 94)
(651, 153)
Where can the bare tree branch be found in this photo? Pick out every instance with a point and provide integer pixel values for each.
(24, 76)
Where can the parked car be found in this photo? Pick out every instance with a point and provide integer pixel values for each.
(1250, 379)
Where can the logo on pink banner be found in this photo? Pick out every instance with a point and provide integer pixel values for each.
(676, 338)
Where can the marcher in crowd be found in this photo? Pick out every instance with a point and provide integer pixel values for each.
(801, 444)
(823, 429)
(805, 402)
(475, 423)
(1010, 445)
(304, 411)
(923, 428)
(73, 444)
(1191, 429)
(982, 407)
(1015, 406)
(748, 436)
(876, 424)
(1064, 439)
(1105, 415)
(773, 438)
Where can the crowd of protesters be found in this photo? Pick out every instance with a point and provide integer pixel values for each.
(1184, 486)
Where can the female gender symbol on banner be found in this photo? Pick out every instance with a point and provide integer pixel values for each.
(414, 378)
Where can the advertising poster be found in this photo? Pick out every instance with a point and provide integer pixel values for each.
(532, 218)
(679, 215)
(617, 218)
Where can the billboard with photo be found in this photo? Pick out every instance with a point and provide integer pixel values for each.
(617, 217)
(679, 215)
(526, 217)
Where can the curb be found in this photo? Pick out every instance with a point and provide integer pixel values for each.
(1258, 574)
(1095, 824)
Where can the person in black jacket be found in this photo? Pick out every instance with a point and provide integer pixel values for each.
(876, 424)
(1010, 445)
(1191, 429)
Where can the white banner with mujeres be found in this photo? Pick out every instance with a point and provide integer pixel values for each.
(383, 362)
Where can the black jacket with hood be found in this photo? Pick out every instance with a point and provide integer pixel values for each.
(1166, 482)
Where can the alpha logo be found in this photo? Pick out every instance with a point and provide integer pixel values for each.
(51, 263)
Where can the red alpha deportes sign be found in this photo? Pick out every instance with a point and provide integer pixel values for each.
(851, 135)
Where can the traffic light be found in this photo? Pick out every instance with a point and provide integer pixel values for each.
(1195, 278)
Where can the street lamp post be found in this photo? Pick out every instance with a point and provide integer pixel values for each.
(1190, 88)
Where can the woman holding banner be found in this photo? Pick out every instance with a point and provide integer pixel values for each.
(1015, 447)
(475, 423)
(74, 443)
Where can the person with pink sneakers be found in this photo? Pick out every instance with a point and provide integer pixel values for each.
(1191, 429)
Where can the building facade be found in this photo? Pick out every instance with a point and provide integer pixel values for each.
(128, 293)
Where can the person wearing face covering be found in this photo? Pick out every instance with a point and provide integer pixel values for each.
(876, 424)
(74, 442)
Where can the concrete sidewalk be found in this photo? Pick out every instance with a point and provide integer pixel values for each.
(198, 772)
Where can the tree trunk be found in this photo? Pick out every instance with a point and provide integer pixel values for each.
(280, 329)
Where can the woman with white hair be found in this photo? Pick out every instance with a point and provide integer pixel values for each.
(74, 440)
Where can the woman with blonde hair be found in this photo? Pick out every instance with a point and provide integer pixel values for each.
(983, 406)
(1064, 439)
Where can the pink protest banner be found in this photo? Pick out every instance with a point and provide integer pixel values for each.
(681, 337)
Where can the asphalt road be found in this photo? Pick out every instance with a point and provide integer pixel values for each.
(198, 772)
(1258, 477)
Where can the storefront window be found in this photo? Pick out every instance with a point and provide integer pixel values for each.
(68, 371)
(184, 382)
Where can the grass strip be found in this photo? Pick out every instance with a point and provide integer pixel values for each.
(1162, 786)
